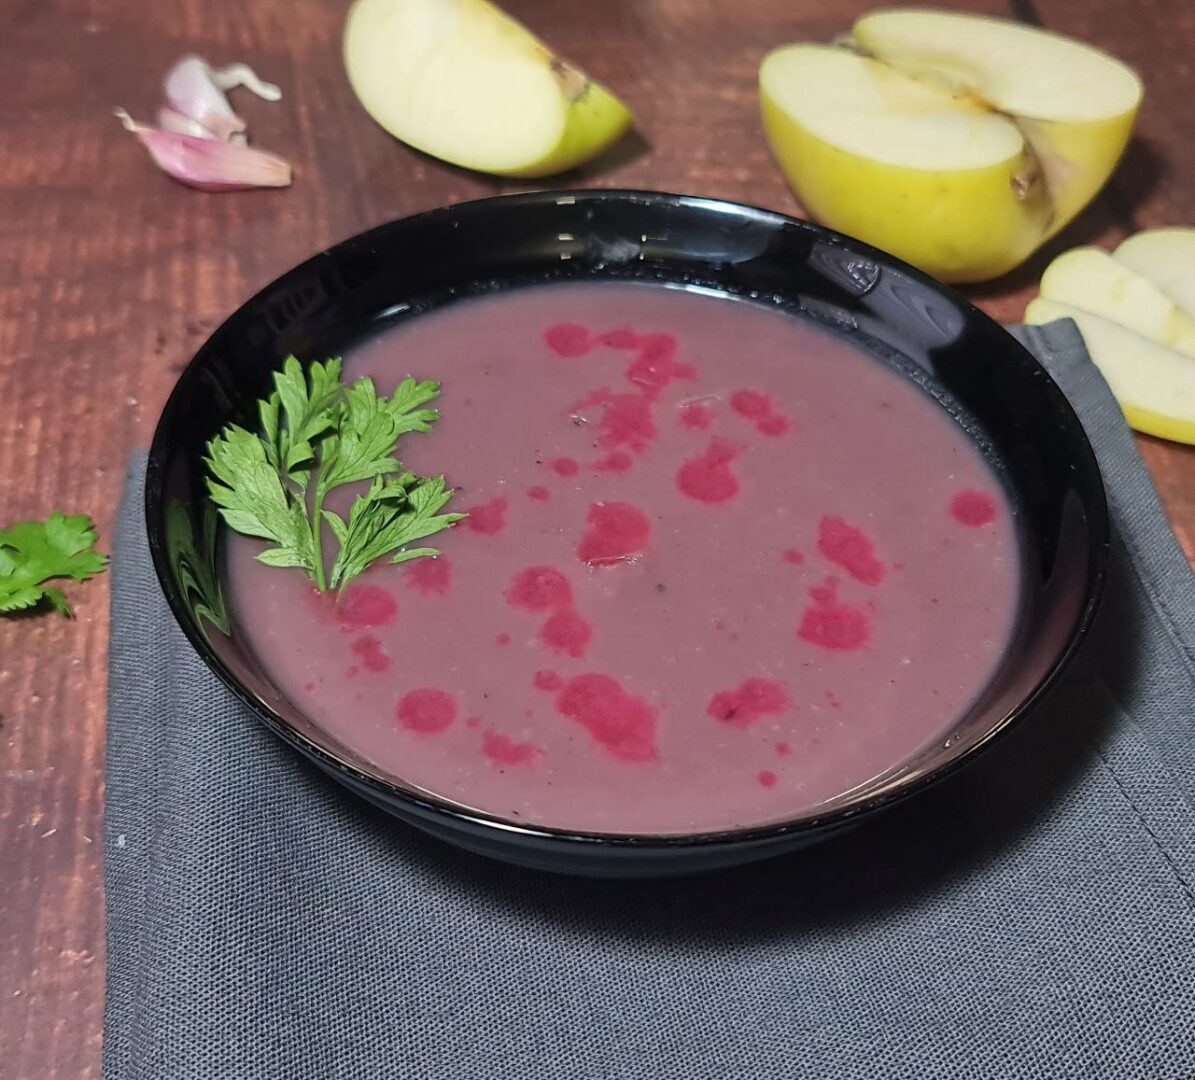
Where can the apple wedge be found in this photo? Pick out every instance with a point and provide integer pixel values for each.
(1091, 279)
(1154, 385)
(463, 81)
(1167, 258)
(957, 142)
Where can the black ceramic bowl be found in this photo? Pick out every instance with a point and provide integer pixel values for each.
(1004, 396)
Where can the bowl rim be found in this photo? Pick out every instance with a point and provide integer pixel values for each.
(424, 804)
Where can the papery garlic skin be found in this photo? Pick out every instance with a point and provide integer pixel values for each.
(234, 75)
(172, 120)
(209, 164)
(191, 91)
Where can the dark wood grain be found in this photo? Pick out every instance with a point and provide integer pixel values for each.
(111, 275)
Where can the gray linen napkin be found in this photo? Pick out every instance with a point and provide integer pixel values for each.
(1033, 918)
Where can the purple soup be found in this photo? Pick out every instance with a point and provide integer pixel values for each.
(720, 568)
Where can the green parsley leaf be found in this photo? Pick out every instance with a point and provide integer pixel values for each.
(364, 446)
(253, 499)
(391, 515)
(314, 428)
(34, 552)
(309, 404)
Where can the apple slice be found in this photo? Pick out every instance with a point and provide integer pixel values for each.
(463, 81)
(957, 142)
(1154, 385)
(1167, 258)
(1091, 279)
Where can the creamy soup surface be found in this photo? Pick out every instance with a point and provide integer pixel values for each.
(719, 567)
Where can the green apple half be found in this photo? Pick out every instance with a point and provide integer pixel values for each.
(463, 81)
(957, 142)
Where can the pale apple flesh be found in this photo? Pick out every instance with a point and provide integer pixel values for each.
(1091, 279)
(1074, 104)
(901, 164)
(1076, 160)
(1167, 258)
(463, 81)
(958, 143)
(1154, 385)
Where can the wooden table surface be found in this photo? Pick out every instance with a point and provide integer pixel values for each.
(111, 275)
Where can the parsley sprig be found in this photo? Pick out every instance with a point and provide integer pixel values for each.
(34, 552)
(318, 435)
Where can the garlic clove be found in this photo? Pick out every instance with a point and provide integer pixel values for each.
(196, 90)
(172, 120)
(191, 90)
(229, 78)
(207, 163)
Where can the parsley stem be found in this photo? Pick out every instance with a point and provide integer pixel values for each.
(317, 539)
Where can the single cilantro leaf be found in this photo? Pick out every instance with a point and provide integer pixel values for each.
(58, 601)
(19, 598)
(34, 552)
